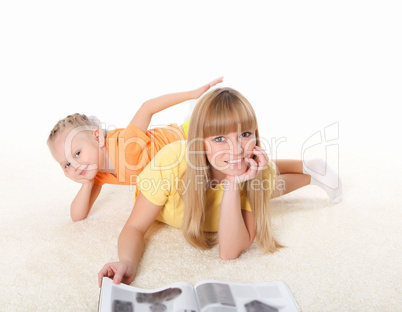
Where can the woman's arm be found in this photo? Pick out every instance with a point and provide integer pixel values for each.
(236, 230)
(131, 242)
(143, 116)
(236, 226)
(83, 201)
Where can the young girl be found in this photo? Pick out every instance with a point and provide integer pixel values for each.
(90, 157)
(216, 186)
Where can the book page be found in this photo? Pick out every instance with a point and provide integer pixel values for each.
(178, 297)
(215, 296)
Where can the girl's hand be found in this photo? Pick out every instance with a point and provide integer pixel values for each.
(78, 180)
(254, 165)
(120, 272)
(200, 91)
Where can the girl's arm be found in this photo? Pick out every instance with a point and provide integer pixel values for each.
(131, 242)
(143, 116)
(83, 201)
(236, 226)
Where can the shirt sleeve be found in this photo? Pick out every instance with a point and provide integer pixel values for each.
(133, 143)
(161, 176)
(127, 146)
(98, 180)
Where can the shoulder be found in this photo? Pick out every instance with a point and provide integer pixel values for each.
(176, 146)
(158, 181)
(132, 131)
(174, 152)
(171, 159)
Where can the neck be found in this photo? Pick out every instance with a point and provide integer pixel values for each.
(105, 161)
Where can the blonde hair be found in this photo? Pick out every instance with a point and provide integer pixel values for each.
(73, 121)
(222, 111)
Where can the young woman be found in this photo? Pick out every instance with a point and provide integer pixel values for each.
(216, 186)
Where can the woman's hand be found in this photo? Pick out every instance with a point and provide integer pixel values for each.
(254, 165)
(120, 272)
(200, 91)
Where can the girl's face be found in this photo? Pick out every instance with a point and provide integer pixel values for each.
(226, 153)
(77, 152)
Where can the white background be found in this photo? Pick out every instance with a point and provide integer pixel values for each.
(303, 65)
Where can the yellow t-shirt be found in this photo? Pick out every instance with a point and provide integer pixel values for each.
(159, 183)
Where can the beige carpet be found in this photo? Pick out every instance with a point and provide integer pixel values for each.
(343, 257)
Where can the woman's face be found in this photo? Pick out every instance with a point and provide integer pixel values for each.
(226, 153)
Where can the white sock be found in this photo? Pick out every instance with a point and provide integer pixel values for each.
(325, 177)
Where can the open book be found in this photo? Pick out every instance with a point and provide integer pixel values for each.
(206, 296)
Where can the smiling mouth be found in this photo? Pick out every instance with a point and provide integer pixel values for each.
(234, 162)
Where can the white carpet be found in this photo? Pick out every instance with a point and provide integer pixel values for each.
(343, 257)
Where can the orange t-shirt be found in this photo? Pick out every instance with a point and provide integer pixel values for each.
(131, 150)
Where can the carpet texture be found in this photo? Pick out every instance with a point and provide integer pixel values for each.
(343, 257)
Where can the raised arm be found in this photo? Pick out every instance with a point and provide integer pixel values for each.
(142, 118)
(131, 242)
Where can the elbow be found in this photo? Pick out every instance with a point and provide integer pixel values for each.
(76, 219)
(229, 254)
(148, 107)
(232, 252)
(79, 213)
(78, 216)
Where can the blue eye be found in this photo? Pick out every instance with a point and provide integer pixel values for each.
(219, 139)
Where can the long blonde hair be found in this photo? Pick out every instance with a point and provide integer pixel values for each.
(222, 111)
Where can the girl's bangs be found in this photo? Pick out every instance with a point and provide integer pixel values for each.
(229, 116)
